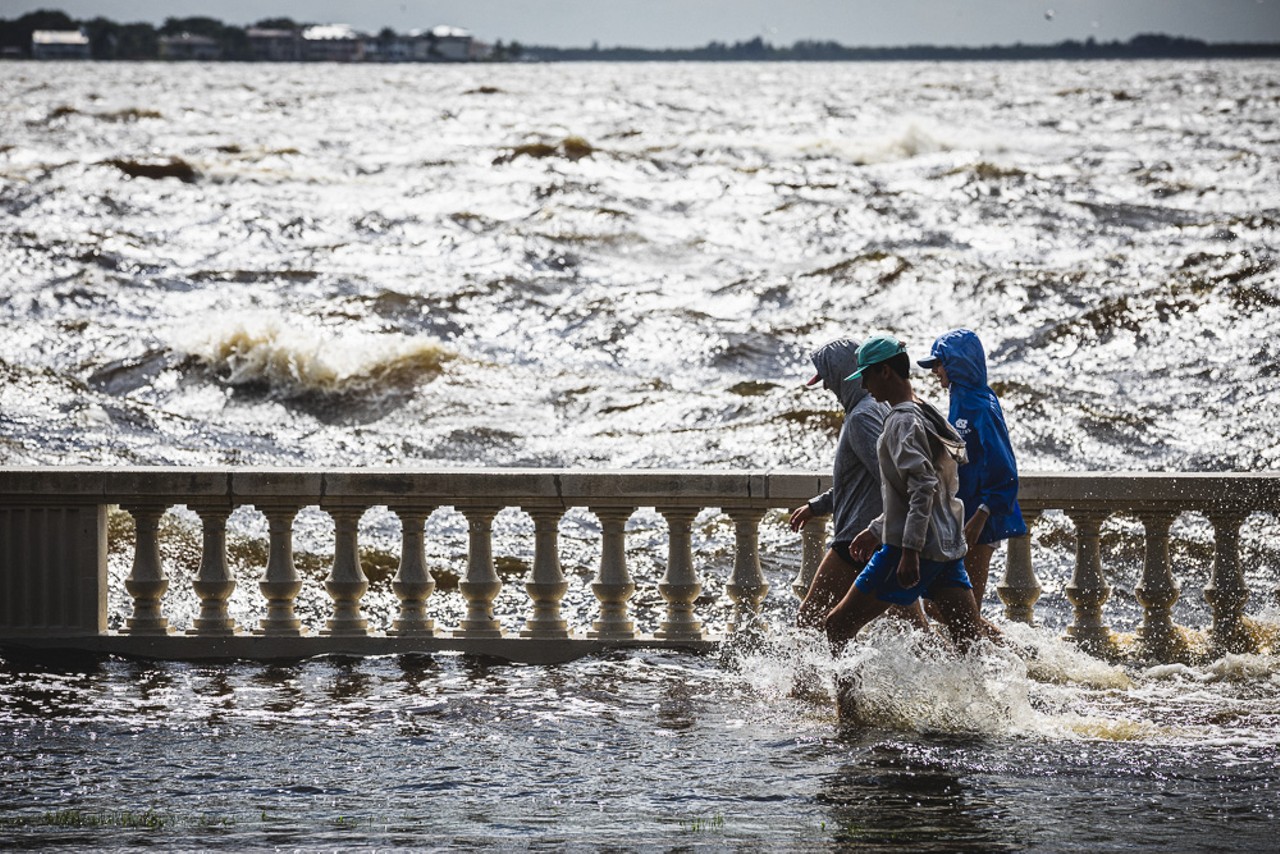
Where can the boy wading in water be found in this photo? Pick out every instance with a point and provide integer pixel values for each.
(916, 546)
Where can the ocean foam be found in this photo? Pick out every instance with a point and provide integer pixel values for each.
(1041, 686)
(909, 138)
(296, 356)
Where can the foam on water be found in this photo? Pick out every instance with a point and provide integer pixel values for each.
(1040, 686)
(906, 137)
(292, 356)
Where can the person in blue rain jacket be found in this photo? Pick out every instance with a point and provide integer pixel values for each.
(989, 482)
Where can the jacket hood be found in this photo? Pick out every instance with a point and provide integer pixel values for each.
(834, 361)
(962, 356)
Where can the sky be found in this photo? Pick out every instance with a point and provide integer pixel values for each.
(690, 23)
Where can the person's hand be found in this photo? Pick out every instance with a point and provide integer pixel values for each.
(973, 528)
(799, 516)
(909, 569)
(864, 545)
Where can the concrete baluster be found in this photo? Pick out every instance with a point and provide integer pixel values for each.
(280, 583)
(147, 582)
(481, 584)
(214, 582)
(613, 586)
(1226, 591)
(746, 587)
(1088, 590)
(413, 583)
(346, 583)
(547, 585)
(1019, 590)
(813, 543)
(1158, 591)
(680, 584)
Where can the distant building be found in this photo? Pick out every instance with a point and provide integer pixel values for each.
(332, 43)
(59, 44)
(274, 45)
(394, 48)
(419, 46)
(449, 43)
(188, 47)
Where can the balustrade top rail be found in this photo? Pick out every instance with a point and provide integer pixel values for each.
(1113, 491)
(566, 488)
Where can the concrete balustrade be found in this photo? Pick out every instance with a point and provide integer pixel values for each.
(1156, 500)
(53, 557)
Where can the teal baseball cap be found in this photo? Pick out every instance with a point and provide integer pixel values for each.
(877, 349)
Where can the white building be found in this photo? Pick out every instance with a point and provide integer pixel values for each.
(59, 44)
(274, 45)
(452, 44)
(332, 43)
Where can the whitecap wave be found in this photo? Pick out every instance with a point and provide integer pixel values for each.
(909, 139)
(295, 356)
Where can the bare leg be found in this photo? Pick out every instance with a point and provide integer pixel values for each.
(959, 612)
(977, 564)
(844, 622)
(913, 614)
(855, 610)
(830, 583)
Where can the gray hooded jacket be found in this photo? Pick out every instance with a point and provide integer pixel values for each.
(854, 497)
(919, 456)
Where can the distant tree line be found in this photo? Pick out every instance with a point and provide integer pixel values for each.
(1138, 47)
(111, 40)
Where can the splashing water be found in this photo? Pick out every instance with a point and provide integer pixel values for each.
(293, 358)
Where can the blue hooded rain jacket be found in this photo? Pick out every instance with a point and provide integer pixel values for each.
(991, 475)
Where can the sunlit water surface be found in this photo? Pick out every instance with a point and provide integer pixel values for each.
(379, 266)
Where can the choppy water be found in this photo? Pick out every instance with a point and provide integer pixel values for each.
(365, 267)
(370, 266)
(642, 751)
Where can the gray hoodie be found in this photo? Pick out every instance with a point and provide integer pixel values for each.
(854, 497)
(919, 454)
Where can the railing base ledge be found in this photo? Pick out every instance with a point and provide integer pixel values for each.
(286, 648)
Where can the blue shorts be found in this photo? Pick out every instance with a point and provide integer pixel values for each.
(880, 578)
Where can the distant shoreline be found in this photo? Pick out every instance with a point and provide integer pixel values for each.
(757, 50)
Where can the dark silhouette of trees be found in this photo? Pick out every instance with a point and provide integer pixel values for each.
(279, 24)
(233, 40)
(16, 34)
(208, 27)
(109, 40)
(1139, 47)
